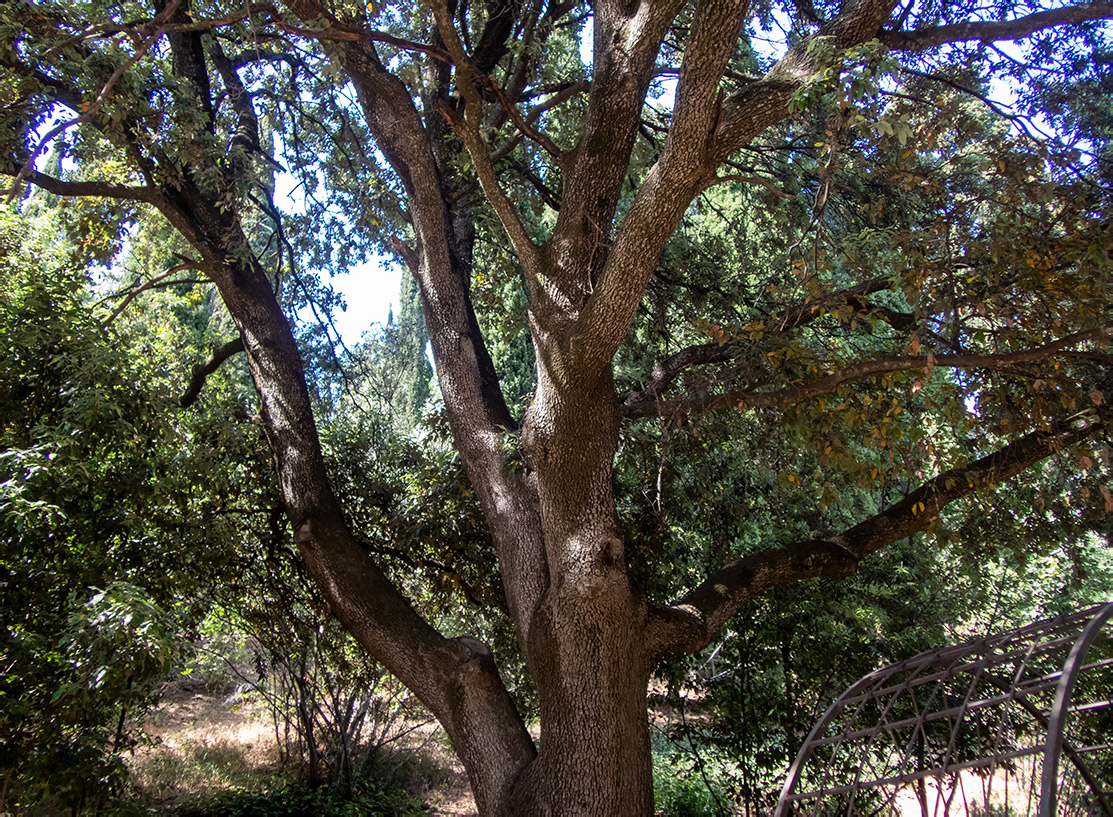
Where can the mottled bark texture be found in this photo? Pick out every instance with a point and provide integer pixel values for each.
(589, 639)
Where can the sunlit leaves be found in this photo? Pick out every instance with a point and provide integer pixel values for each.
(102, 485)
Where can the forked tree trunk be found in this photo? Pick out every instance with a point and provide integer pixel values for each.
(587, 639)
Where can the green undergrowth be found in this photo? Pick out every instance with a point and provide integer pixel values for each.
(296, 799)
(686, 784)
(285, 798)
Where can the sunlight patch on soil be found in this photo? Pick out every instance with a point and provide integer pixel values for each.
(206, 738)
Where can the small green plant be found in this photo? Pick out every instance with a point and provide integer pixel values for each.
(294, 799)
(686, 786)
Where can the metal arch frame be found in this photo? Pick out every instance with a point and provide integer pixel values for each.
(949, 662)
(1049, 785)
(806, 750)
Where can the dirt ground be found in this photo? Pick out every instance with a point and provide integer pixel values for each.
(207, 738)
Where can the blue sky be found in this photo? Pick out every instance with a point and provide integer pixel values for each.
(370, 289)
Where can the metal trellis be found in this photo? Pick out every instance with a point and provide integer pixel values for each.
(977, 728)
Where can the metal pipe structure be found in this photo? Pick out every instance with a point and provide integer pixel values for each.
(1049, 787)
(1002, 705)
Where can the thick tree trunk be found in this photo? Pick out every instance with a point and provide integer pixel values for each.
(554, 529)
(595, 755)
(586, 637)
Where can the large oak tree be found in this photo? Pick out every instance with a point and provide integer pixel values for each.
(441, 125)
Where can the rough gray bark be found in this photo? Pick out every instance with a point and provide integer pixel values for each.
(590, 641)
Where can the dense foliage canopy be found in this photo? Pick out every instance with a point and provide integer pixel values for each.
(722, 298)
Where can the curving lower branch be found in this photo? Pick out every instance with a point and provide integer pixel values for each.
(793, 318)
(101, 189)
(690, 624)
(202, 370)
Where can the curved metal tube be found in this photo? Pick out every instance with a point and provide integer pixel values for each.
(1057, 723)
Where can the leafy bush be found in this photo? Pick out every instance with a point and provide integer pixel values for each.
(104, 528)
(294, 799)
(686, 783)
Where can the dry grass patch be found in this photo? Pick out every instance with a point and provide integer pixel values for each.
(207, 739)
(204, 739)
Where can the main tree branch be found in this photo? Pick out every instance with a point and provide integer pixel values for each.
(477, 412)
(761, 104)
(689, 625)
(626, 41)
(101, 189)
(746, 399)
(455, 677)
(707, 128)
(201, 371)
(995, 30)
